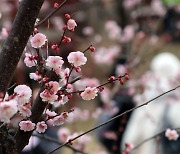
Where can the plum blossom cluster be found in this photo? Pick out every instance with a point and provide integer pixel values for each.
(58, 86)
(16, 103)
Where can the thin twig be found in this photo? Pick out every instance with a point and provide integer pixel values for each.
(45, 137)
(150, 138)
(120, 115)
(50, 14)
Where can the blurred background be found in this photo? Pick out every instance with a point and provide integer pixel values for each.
(127, 35)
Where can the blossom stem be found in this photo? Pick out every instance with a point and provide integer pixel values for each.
(51, 14)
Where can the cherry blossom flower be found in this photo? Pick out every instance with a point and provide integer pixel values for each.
(26, 125)
(8, 110)
(171, 134)
(89, 93)
(63, 134)
(50, 113)
(54, 62)
(38, 40)
(23, 93)
(49, 94)
(71, 24)
(35, 76)
(64, 99)
(41, 127)
(58, 120)
(77, 58)
(30, 60)
(24, 110)
(86, 82)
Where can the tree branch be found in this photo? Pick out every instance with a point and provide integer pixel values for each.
(51, 14)
(12, 50)
(14, 45)
(120, 115)
(45, 137)
(148, 139)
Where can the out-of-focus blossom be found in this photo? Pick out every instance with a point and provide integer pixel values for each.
(128, 34)
(171, 134)
(87, 30)
(24, 110)
(7, 110)
(114, 31)
(109, 54)
(3, 34)
(23, 93)
(38, 40)
(77, 58)
(63, 134)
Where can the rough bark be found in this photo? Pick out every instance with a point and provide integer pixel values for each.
(17, 40)
(10, 55)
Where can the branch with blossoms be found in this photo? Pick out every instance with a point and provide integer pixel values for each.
(56, 84)
(56, 81)
(70, 141)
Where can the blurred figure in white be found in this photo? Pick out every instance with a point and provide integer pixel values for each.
(159, 115)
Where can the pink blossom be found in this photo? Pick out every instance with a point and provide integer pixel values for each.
(24, 111)
(8, 110)
(23, 93)
(47, 96)
(171, 134)
(41, 127)
(71, 24)
(63, 134)
(54, 62)
(50, 113)
(35, 76)
(29, 60)
(60, 102)
(89, 93)
(64, 75)
(53, 85)
(58, 120)
(38, 40)
(77, 58)
(86, 82)
(26, 125)
(3, 33)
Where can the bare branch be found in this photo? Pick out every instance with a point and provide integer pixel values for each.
(51, 14)
(56, 141)
(120, 115)
(153, 137)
